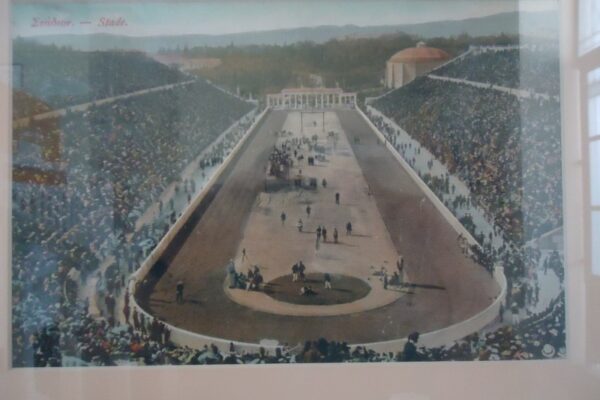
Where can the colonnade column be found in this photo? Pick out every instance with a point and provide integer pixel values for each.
(311, 100)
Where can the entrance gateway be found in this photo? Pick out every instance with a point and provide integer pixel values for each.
(311, 98)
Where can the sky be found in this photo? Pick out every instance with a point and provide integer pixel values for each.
(220, 17)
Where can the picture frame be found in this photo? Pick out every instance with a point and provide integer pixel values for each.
(576, 373)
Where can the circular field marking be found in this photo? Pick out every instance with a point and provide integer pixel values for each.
(344, 289)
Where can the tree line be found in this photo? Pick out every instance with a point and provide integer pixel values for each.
(355, 64)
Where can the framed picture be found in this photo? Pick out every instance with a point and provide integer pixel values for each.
(225, 184)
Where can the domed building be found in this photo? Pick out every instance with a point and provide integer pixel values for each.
(407, 64)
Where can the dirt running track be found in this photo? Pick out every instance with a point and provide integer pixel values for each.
(452, 289)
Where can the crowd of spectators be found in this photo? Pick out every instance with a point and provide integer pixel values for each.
(540, 336)
(61, 77)
(95, 341)
(522, 68)
(481, 135)
(117, 160)
(507, 150)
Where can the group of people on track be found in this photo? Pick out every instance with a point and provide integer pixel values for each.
(397, 277)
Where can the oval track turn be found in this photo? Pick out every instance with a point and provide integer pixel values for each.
(449, 287)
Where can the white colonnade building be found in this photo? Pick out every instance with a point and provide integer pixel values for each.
(311, 98)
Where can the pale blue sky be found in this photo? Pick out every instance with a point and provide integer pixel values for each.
(218, 17)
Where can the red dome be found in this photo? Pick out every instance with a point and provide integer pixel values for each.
(420, 55)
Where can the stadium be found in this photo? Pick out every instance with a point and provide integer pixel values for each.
(172, 221)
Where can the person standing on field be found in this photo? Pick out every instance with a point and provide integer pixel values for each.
(327, 278)
(179, 292)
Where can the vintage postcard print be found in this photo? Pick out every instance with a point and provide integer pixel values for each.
(286, 182)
